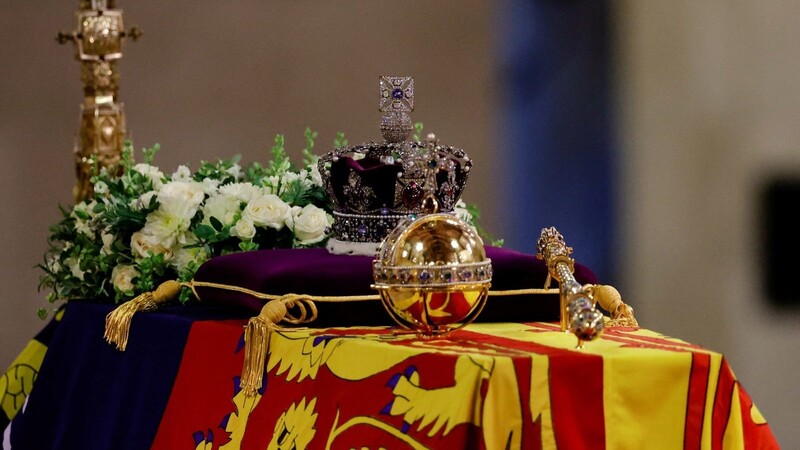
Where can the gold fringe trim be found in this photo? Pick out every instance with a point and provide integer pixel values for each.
(610, 299)
(118, 321)
(259, 329)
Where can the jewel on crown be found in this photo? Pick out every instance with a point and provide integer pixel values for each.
(375, 185)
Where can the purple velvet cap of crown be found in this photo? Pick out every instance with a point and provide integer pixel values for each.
(317, 272)
(390, 176)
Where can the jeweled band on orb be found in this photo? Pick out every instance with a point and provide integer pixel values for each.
(432, 276)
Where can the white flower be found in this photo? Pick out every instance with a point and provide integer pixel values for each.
(244, 229)
(182, 256)
(291, 177)
(178, 204)
(100, 188)
(165, 226)
(270, 184)
(182, 192)
(142, 243)
(235, 171)
(74, 266)
(223, 207)
(107, 239)
(244, 192)
(268, 211)
(210, 186)
(151, 172)
(462, 212)
(53, 265)
(315, 176)
(310, 223)
(83, 225)
(122, 276)
(182, 174)
(143, 201)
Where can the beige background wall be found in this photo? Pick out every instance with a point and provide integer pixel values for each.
(707, 103)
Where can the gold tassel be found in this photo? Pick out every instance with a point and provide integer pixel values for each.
(118, 321)
(610, 299)
(256, 344)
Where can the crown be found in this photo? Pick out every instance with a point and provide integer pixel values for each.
(375, 185)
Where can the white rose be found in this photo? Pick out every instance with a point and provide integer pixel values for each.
(142, 243)
(244, 229)
(179, 193)
(268, 211)
(182, 174)
(122, 277)
(310, 223)
(151, 172)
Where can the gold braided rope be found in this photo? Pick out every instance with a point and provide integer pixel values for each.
(118, 321)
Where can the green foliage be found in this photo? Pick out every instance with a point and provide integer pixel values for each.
(339, 141)
(418, 131)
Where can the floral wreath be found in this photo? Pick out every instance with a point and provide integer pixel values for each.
(143, 226)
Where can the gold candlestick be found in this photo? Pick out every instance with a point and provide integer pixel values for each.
(97, 40)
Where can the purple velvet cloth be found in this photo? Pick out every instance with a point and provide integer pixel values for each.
(318, 272)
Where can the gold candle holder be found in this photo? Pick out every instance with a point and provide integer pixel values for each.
(97, 38)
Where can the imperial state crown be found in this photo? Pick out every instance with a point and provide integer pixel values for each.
(375, 185)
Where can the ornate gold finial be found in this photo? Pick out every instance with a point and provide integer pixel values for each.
(97, 39)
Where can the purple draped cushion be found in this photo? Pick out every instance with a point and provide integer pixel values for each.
(315, 271)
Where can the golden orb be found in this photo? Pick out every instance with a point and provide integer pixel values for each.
(433, 274)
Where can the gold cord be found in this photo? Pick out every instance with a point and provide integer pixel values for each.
(118, 321)
(342, 298)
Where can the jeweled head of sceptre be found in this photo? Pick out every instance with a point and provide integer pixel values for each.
(577, 310)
